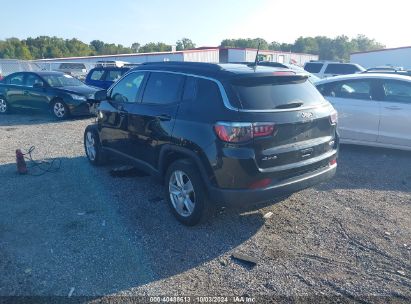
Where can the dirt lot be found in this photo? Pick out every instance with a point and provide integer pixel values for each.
(83, 231)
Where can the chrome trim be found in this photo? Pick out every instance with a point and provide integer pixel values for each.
(296, 146)
(300, 164)
(321, 105)
(303, 177)
(224, 95)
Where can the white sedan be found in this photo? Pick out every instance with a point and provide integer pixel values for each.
(373, 109)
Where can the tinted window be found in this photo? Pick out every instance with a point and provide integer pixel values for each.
(31, 79)
(96, 74)
(271, 92)
(341, 69)
(354, 89)
(16, 79)
(127, 89)
(62, 80)
(190, 89)
(397, 91)
(163, 88)
(313, 67)
(114, 75)
(207, 91)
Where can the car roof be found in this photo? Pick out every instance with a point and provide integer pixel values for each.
(365, 76)
(212, 70)
(41, 73)
(110, 68)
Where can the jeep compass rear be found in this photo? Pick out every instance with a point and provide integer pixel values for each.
(218, 133)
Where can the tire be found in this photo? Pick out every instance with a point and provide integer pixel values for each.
(92, 146)
(4, 106)
(198, 208)
(59, 109)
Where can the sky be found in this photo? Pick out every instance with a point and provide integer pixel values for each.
(207, 22)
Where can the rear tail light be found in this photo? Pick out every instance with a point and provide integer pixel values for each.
(333, 162)
(235, 132)
(334, 118)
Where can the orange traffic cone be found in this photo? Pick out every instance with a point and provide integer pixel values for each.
(21, 163)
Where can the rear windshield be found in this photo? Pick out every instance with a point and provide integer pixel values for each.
(343, 69)
(275, 93)
(313, 67)
(73, 66)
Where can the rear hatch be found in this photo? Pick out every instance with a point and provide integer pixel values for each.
(294, 127)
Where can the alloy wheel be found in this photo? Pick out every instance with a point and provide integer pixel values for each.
(90, 146)
(182, 193)
(3, 106)
(59, 109)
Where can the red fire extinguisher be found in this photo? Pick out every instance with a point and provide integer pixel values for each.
(21, 163)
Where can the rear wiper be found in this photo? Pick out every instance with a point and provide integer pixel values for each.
(290, 105)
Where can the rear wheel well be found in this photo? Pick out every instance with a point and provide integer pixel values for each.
(169, 158)
(55, 99)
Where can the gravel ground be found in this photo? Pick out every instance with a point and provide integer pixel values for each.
(83, 232)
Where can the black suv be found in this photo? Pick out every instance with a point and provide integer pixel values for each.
(217, 132)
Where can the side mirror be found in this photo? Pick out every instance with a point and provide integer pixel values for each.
(38, 85)
(100, 95)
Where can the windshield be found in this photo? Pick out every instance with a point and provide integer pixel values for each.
(62, 81)
(266, 94)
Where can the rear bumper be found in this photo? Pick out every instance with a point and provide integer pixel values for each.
(249, 196)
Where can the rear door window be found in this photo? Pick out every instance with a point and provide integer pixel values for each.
(340, 69)
(96, 74)
(163, 88)
(269, 93)
(32, 79)
(190, 89)
(313, 67)
(113, 75)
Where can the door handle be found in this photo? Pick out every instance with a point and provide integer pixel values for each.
(393, 108)
(26, 92)
(164, 117)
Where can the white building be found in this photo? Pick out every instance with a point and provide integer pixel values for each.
(248, 55)
(203, 54)
(200, 55)
(399, 57)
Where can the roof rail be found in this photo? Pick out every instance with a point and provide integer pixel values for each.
(323, 61)
(199, 65)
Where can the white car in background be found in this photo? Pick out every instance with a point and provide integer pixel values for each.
(373, 109)
(325, 69)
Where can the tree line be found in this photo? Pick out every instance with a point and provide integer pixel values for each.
(338, 48)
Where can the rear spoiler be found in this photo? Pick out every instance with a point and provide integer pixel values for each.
(269, 78)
